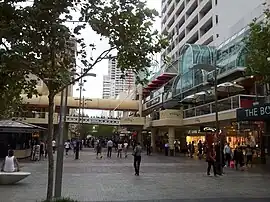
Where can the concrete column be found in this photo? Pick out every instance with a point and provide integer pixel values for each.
(139, 136)
(182, 141)
(140, 92)
(171, 136)
(153, 139)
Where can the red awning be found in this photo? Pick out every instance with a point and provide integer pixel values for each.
(158, 82)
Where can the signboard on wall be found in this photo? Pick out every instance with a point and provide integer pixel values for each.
(153, 102)
(260, 112)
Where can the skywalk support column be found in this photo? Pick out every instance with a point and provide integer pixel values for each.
(139, 136)
(153, 139)
(140, 92)
(171, 135)
(183, 141)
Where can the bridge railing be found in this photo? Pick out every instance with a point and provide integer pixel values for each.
(233, 102)
(42, 117)
(93, 120)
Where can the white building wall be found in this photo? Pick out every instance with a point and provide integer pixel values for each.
(207, 22)
(117, 82)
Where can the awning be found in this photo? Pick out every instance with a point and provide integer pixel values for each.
(158, 82)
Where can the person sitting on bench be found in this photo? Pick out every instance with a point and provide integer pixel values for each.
(10, 163)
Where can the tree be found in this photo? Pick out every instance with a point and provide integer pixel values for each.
(45, 48)
(14, 77)
(103, 131)
(83, 130)
(258, 48)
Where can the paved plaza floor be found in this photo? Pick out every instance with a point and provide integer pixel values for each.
(162, 179)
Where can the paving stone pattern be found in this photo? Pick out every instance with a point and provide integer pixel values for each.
(162, 179)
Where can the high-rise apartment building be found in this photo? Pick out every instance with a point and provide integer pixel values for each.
(116, 81)
(206, 22)
(106, 87)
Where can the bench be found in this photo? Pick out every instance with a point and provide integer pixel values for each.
(12, 178)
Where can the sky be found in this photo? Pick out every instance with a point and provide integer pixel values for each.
(93, 86)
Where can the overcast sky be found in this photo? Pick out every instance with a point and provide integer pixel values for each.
(93, 86)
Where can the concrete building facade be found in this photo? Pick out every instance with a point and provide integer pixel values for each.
(204, 22)
(116, 81)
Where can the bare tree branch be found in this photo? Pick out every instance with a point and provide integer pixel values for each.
(102, 56)
(3, 43)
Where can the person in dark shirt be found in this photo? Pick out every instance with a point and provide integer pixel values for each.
(211, 160)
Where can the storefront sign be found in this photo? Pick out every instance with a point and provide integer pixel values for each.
(153, 102)
(260, 112)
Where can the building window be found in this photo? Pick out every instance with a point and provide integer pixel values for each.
(216, 2)
(216, 19)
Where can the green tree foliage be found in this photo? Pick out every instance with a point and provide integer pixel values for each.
(104, 131)
(14, 74)
(95, 130)
(258, 48)
(127, 25)
(44, 46)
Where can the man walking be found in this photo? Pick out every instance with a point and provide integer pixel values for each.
(137, 158)
(109, 147)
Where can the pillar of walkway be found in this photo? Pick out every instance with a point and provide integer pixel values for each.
(183, 141)
(171, 136)
(140, 92)
(153, 139)
(139, 136)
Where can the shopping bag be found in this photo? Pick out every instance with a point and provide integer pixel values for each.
(231, 164)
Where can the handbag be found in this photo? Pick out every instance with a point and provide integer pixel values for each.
(231, 164)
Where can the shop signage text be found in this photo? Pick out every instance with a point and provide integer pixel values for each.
(153, 102)
(255, 113)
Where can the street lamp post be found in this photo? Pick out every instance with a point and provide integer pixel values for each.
(81, 89)
(60, 140)
(209, 68)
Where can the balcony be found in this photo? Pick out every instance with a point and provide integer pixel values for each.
(227, 104)
(169, 117)
(132, 121)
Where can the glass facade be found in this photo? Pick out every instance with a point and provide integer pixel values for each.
(229, 55)
(191, 55)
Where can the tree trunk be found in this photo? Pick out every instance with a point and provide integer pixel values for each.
(50, 149)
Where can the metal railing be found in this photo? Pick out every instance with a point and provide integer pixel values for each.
(226, 104)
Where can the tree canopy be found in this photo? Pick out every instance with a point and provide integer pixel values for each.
(14, 74)
(258, 48)
(36, 41)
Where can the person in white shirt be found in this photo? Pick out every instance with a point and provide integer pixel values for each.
(228, 154)
(109, 147)
(67, 146)
(54, 145)
(125, 148)
(120, 147)
(10, 163)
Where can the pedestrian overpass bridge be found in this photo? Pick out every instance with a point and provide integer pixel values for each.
(93, 120)
(93, 103)
(42, 118)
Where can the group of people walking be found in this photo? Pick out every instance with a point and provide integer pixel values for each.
(122, 147)
(228, 158)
